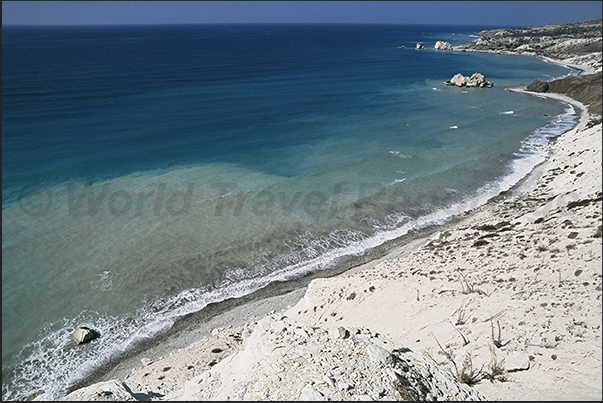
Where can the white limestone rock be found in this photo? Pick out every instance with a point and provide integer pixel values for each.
(112, 390)
(459, 80)
(82, 335)
(443, 45)
(281, 363)
(517, 361)
(309, 394)
(476, 80)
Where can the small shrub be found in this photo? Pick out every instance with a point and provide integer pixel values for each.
(496, 340)
(468, 374)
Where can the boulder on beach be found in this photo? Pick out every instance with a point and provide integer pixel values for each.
(443, 45)
(538, 86)
(82, 335)
(476, 80)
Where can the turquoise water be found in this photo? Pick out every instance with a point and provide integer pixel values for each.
(149, 171)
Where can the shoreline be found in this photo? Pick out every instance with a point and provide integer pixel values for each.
(234, 314)
(239, 317)
(215, 331)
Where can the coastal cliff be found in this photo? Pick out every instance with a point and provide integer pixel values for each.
(504, 304)
(578, 43)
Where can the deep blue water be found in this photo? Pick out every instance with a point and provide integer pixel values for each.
(150, 170)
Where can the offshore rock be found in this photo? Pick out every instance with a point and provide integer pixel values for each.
(443, 45)
(419, 45)
(459, 80)
(476, 80)
(280, 363)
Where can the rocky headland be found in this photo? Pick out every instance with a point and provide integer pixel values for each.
(572, 44)
(504, 303)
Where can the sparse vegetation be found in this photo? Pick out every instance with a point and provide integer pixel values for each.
(496, 369)
(466, 287)
(466, 373)
(497, 341)
(461, 317)
(465, 340)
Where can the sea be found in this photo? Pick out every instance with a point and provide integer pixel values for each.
(149, 171)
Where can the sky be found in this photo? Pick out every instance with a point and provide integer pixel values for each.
(493, 13)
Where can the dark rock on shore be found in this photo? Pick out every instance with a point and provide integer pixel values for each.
(583, 88)
(586, 89)
(538, 86)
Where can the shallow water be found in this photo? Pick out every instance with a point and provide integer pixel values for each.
(150, 171)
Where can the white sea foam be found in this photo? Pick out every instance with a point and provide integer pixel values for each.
(399, 154)
(105, 282)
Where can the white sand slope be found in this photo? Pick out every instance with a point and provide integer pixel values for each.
(517, 283)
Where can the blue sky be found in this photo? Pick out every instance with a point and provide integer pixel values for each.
(503, 13)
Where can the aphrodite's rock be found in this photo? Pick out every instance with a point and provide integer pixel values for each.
(82, 335)
(442, 45)
(459, 80)
(538, 86)
(476, 80)
(419, 45)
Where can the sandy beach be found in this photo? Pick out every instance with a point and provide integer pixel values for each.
(513, 288)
